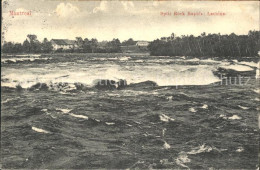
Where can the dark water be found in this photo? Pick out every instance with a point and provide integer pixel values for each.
(142, 126)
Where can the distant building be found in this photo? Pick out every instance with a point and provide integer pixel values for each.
(64, 44)
(142, 43)
(166, 39)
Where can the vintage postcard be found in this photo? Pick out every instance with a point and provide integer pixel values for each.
(130, 84)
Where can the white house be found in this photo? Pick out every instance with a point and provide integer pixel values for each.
(64, 44)
(142, 43)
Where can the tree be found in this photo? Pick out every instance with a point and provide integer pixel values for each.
(26, 46)
(94, 44)
(113, 46)
(17, 48)
(210, 45)
(35, 45)
(8, 47)
(130, 41)
(32, 38)
(79, 42)
(46, 46)
(87, 46)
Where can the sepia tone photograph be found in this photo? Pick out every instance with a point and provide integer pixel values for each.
(130, 84)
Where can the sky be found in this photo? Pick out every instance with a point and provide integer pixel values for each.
(140, 20)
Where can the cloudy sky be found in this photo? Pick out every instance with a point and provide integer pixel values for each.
(140, 20)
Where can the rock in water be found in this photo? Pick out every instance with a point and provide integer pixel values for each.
(142, 85)
(105, 84)
(121, 84)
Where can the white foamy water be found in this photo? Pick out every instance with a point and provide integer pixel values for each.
(25, 55)
(166, 145)
(163, 75)
(234, 117)
(5, 101)
(257, 91)
(4, 60)
(257, 99)
(240, 149)
(192, 110)
(44, 110)
(200, 149)
(124, 58)
(163, 131)
(169, 98)
(165, 118)
(39, 130)
(64, 110)
(183, 156)
(97, 120)
(79, 116)
(182, 159)
(252, 64)
(110, 123)
(204, 106)
(243, 107)
(257, 74)
(237, 67)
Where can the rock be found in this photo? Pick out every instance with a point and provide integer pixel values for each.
(39, 86)
(121, 84)
(105, 84)
(141, 85)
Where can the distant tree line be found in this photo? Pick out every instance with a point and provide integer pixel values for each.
(208, 45)
(30, 45)
(93, 46)
(33, 45)
(128, 42)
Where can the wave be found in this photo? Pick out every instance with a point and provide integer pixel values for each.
(234, 117)
(192, 110)
(65, 111)
(165, 118)
(166, 145)
(109, 123)
(240, 149)
(243, 107)
(237, 67)
(252, 64)
(60, 79)
(24, 59)
(183, 158)
(200, 149)
(204, 106)
(25, 55)
(39, 130)
(79, 116)
(257, 74)
(73, 80)
(124, 58)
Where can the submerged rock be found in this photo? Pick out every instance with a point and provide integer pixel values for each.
(39, 86)
(145, 84)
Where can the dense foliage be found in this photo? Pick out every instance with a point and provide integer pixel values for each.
(211, 45)
(30, 45)
(208, 45)
(33, 45)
